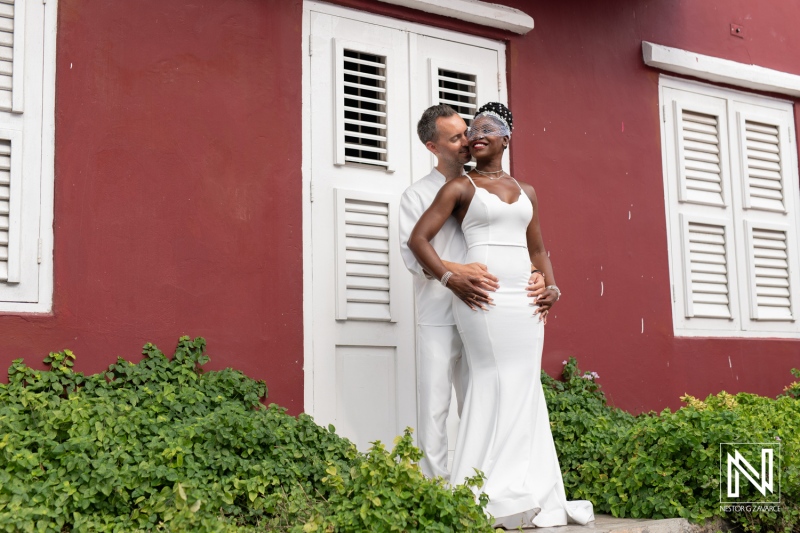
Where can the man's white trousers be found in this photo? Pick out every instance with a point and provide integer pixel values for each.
(440, 366)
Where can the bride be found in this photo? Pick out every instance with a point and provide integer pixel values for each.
(504, 429)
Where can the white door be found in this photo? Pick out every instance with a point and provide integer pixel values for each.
(363, 318)
(369, 81)
(464, 77)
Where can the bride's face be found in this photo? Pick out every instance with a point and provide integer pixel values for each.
(485, 141)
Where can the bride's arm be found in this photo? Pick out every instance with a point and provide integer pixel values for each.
(538, 254)
(464, 284)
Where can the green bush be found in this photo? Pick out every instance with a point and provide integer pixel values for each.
(667, 464)
(793, 389)
(162, 445)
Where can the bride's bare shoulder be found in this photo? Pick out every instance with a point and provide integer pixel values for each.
(458, 185)
(460, 181)
(528, 190)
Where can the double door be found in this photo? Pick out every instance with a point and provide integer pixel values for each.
(368, 80)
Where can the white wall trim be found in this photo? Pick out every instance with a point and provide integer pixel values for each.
(720, 70)
(483, 13)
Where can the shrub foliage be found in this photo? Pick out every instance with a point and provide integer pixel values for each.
(667, 465)
(162, 445)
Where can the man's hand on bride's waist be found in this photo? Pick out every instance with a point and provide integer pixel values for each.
(472, 283)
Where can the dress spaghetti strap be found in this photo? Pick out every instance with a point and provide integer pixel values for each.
(518, 185)
(470, 180)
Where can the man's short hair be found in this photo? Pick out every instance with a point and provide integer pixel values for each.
(426, 127)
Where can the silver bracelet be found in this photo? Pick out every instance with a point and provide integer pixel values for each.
(445, 277)
(555, 288)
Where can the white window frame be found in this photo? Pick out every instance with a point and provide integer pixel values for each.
(741, 325)
(39, 149)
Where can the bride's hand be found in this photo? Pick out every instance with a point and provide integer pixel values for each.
(542, 312)
(544, 302)
(535, 286)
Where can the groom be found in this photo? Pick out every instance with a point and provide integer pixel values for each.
(440, 365)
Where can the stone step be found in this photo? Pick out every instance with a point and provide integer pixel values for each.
(604, 523)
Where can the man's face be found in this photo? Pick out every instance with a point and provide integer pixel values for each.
(450, 145)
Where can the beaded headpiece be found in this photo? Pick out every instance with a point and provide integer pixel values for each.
(491, 119)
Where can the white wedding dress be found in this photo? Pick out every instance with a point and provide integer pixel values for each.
(505, 429)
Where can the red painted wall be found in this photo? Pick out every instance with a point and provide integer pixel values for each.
(178, 200)
(177, 187)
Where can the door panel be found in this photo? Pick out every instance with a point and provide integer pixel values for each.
(464, 77)
(363, 318)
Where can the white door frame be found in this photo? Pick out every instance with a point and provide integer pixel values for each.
(321, 7)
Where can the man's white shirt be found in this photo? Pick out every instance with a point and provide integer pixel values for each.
(434, 302)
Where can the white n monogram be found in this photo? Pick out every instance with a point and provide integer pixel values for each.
(738, 464)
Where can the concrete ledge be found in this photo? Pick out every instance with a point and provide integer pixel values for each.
(608, 524)
(484, 13)
(720, 70)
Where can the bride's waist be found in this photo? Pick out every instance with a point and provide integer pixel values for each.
(511, 264)
(497, 243)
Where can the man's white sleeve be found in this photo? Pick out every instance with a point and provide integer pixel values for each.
(411, 209)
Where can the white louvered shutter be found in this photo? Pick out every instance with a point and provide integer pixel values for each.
(770, 280)
(5, 209)
(12, 39)
(6, 53)
(455, 86)
(701, 149)
(762, 165)
(16, 248)
(766, 169)
(700, 212)
(706, 252)
(8, 234)
(456, 89)
(361, 105)
(363, 257)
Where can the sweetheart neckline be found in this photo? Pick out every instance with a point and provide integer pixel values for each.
(496, 196)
